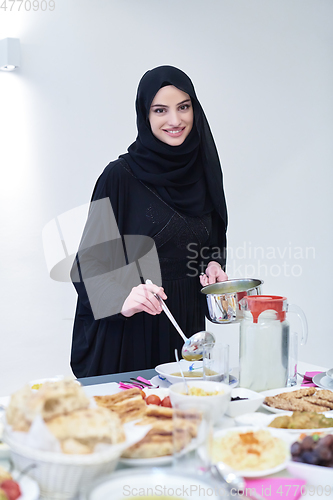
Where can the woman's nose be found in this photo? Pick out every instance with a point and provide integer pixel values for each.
(174, 118)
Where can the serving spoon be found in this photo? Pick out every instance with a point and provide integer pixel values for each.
(192, 349)
(181, 371)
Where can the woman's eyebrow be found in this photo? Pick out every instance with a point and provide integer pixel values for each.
(165, 106)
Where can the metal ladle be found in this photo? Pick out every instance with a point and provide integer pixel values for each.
(192, 349)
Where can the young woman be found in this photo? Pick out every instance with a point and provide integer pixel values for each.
(166, 189)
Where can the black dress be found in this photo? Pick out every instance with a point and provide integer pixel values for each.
(118, 344)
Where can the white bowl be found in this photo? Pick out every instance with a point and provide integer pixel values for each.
(167, 369)
(60, 476)
(315, 475)
(236, 408)
(215, 405)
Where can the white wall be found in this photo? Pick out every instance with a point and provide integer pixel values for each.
(263, 72)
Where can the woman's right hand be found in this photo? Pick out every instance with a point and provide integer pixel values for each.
(142, 298)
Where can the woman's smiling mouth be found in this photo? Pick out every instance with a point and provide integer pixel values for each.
(174, 132)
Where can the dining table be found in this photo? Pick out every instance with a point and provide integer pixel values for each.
(283, 485)
(281, 481)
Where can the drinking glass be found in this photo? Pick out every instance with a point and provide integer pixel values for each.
(216, 363)
(192, 428)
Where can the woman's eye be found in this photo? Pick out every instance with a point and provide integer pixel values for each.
(184, 106)
(159, 110)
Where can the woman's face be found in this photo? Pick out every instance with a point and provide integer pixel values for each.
(171, 115)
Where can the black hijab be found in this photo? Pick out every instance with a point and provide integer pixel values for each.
(180, 174)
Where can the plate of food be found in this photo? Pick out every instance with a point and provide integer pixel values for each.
(312, 461)
(251, 451)
(292, 422)
(311, 399)
(156, 448)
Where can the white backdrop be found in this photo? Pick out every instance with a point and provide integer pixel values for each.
(263, 73)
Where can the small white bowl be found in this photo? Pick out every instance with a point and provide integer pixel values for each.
(215, 405)
(315, 475)
(236, 408)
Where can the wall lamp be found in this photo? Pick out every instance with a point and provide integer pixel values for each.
(10, 57)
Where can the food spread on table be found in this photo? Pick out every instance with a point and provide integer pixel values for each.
(302, 420)
(257, 450)
(130, 405)
(308, 399)
(80, 424)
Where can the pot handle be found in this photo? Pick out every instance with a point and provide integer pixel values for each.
(293, 308)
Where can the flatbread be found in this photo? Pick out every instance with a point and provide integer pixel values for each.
(51, 400)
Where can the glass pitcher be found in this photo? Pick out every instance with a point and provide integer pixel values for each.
(265, 340)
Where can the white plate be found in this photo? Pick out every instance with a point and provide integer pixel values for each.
(29, 488)
(149, 462)
(122, 485)
(101, 389)
(323, 381)
(167, 459)
(160, 381)
(286, 438)
(261, 419)
(275, 392)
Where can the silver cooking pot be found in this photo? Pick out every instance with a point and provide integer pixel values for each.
(223, 298)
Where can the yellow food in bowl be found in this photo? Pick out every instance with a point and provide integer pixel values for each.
(36, 386)
(197, 391)
(250, 450)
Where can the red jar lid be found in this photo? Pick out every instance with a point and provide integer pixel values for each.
(256, 304)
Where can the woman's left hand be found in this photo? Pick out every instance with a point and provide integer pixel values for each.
(214, 274)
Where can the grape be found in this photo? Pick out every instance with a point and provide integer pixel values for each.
(296, 449)
(327, 441)
(323, 453)
(310, 458)
(307, 443)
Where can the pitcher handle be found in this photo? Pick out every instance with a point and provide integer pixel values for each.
(293, 308)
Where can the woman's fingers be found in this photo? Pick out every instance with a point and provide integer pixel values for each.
(143, 298)
(214, 274)
(222, 276)
(204, 279)
(159, 290)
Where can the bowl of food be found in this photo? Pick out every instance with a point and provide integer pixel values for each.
(192, 371)
(251, 451)
(211, 397)
(243, 401)
(312, 459)
(171, 372)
